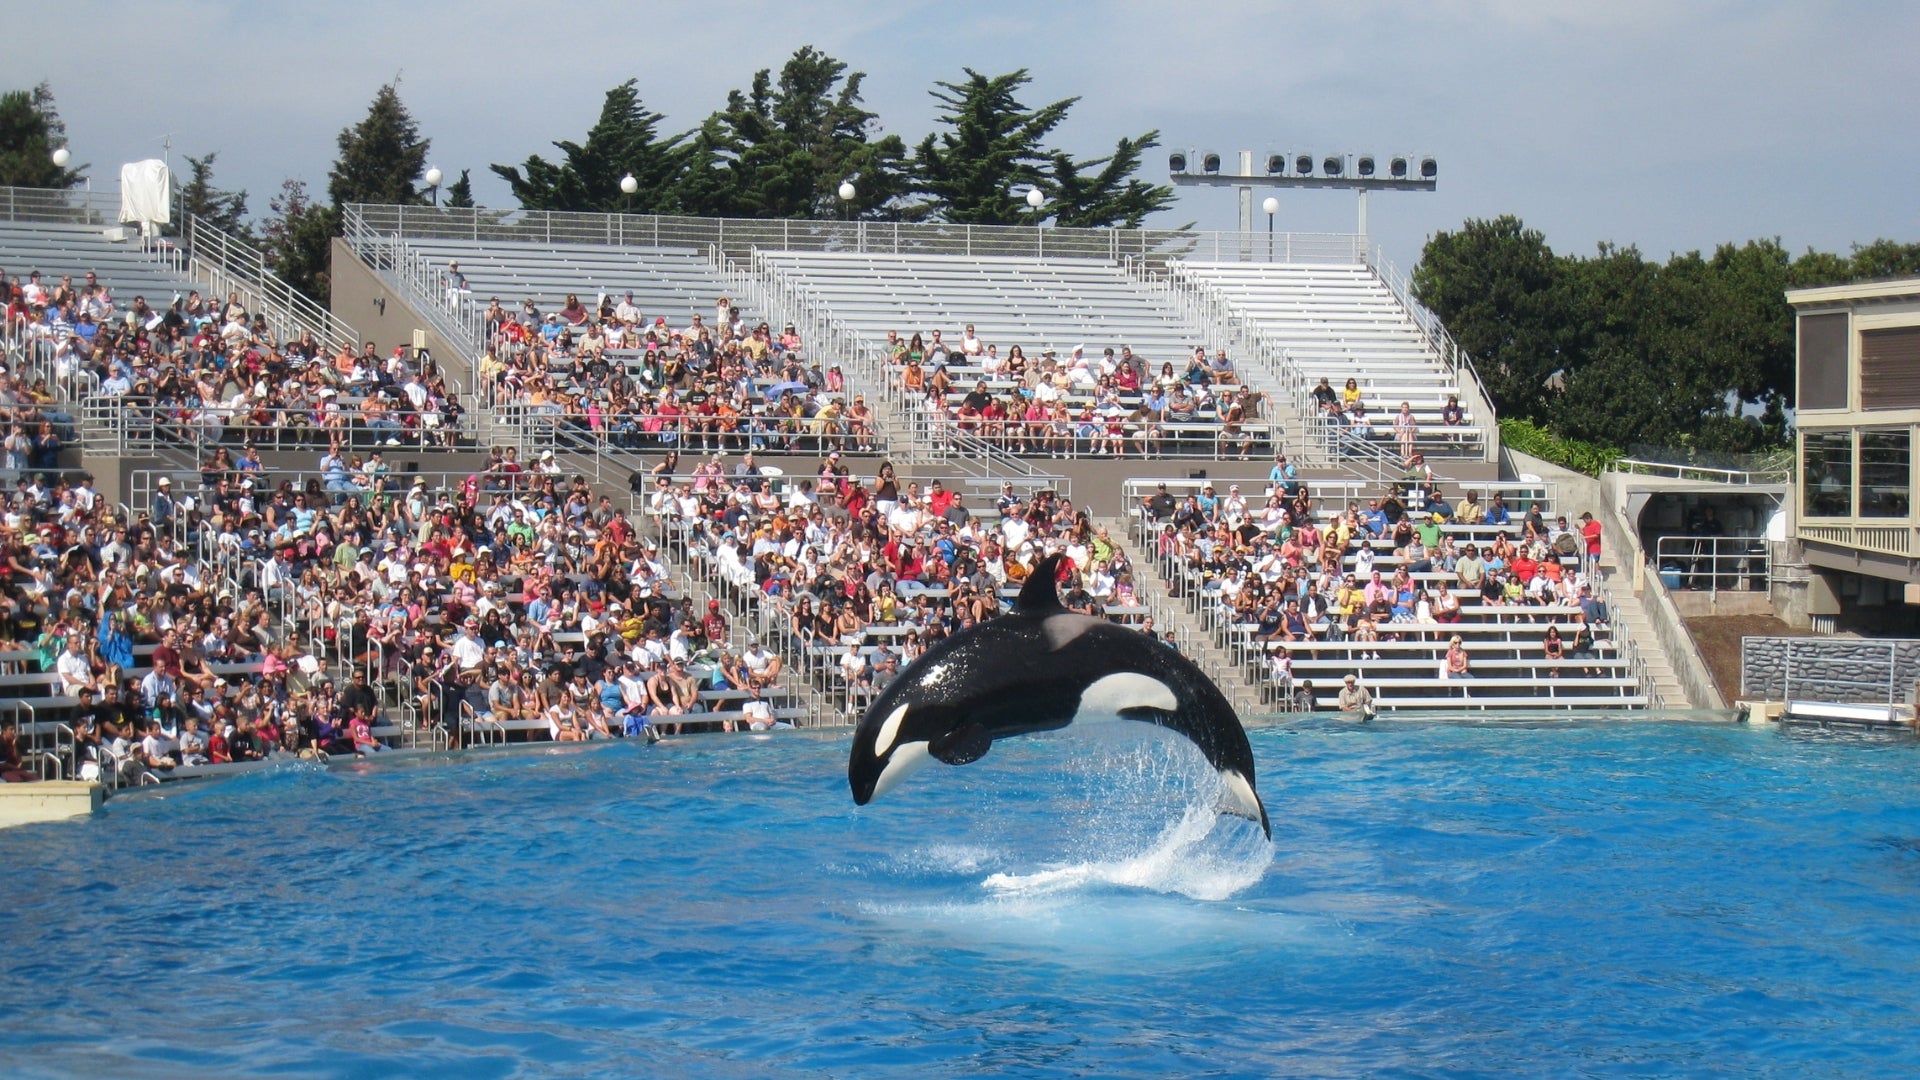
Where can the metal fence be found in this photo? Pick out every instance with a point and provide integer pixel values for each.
(741, 236)
(1714, 564)
(1849, 670)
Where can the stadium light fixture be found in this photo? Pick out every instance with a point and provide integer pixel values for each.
(1035, 198)
(628, 185)
(61, 157)
(433, 179)
(1359, 173)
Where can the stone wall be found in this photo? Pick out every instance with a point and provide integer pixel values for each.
(1828, 669)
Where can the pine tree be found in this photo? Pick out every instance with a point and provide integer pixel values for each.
(460, 192)
(224, 210)
(625, 141)
(969, 173)
(782, 151)
(1111, 197)
(299, 237)
(30, 129)
(382, 157)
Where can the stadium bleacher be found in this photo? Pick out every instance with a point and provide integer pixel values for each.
(1339, 322)
(1074, 320)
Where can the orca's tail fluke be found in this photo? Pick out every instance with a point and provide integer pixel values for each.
(1238, 798)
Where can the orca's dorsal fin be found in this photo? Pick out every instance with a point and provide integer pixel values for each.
(1041, 593)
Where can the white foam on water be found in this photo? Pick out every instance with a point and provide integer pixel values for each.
(1203, 856)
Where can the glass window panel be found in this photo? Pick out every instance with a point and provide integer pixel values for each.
(1885, 473)
(1826, 468)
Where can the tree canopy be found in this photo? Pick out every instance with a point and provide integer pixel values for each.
(1617, 349)
(224, 210)
(30, 130)
(624, 141)
(781, 150)
(382, 157)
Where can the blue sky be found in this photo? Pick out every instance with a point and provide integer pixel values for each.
(1667, 125)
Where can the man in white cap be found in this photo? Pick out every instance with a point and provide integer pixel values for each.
(1355, 698)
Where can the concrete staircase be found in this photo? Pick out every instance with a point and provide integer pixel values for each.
(1171, 618)
(1631, 623)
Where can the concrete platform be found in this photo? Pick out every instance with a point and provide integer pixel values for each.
(48, 800)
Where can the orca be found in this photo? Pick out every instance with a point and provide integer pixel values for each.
(1042, 668)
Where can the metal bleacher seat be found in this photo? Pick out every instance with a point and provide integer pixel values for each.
(1340, 321)
(1504, 644)
(60, 249)
(674, 283)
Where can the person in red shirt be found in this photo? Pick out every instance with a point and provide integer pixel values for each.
(1590, 531)
(939, 500)
(715, 624)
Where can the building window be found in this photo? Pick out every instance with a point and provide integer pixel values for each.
(1886, 473)
(1826, 471)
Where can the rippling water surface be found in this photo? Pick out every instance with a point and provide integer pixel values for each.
(1579, 900)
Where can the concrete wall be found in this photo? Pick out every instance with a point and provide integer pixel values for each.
(1856, 668)
(383, 317)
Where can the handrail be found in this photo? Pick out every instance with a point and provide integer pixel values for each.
(1713, 558)
(741, 236)
(228, 264)
(1663, 616)
(1703, 472)
(1458, 360)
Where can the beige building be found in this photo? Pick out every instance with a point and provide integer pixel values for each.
(1858, 412)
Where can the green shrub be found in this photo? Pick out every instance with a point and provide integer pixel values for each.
(1583, 457)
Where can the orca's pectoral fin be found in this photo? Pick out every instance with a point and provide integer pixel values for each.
(964, 744)
(1238, 798)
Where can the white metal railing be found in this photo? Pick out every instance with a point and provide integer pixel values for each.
(1457, 359)
(1663, 617)
(1713, 564)
(1781, 475)
(740, 236)
(227, 265)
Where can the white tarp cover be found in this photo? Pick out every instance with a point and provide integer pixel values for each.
(145, 192)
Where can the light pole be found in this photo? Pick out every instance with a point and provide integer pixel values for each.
(846, 193)
(433, 179)
(1035, 198)
(1272, 207)
(628, 185)
(61, 157)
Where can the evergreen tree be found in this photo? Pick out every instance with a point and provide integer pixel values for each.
(625, 141)
(382, 157)
(224, 210)
(1113, 196)
(782, 151)
(299, 237)
(460, 192)
(992, 146)
(30, 129)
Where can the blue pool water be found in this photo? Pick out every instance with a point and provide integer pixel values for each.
(1570, 900)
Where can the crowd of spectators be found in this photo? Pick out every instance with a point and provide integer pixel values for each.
(860, 577)
(1348, 415)
(1112, 404)
(206, 371)
(621, 377)
(1396, 568)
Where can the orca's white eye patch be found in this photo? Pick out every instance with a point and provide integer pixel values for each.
(1111, 694)
(889, 731)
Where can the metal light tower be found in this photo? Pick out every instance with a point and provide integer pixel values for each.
(1404, 173)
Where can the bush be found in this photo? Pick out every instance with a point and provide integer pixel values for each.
(1582, 457)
